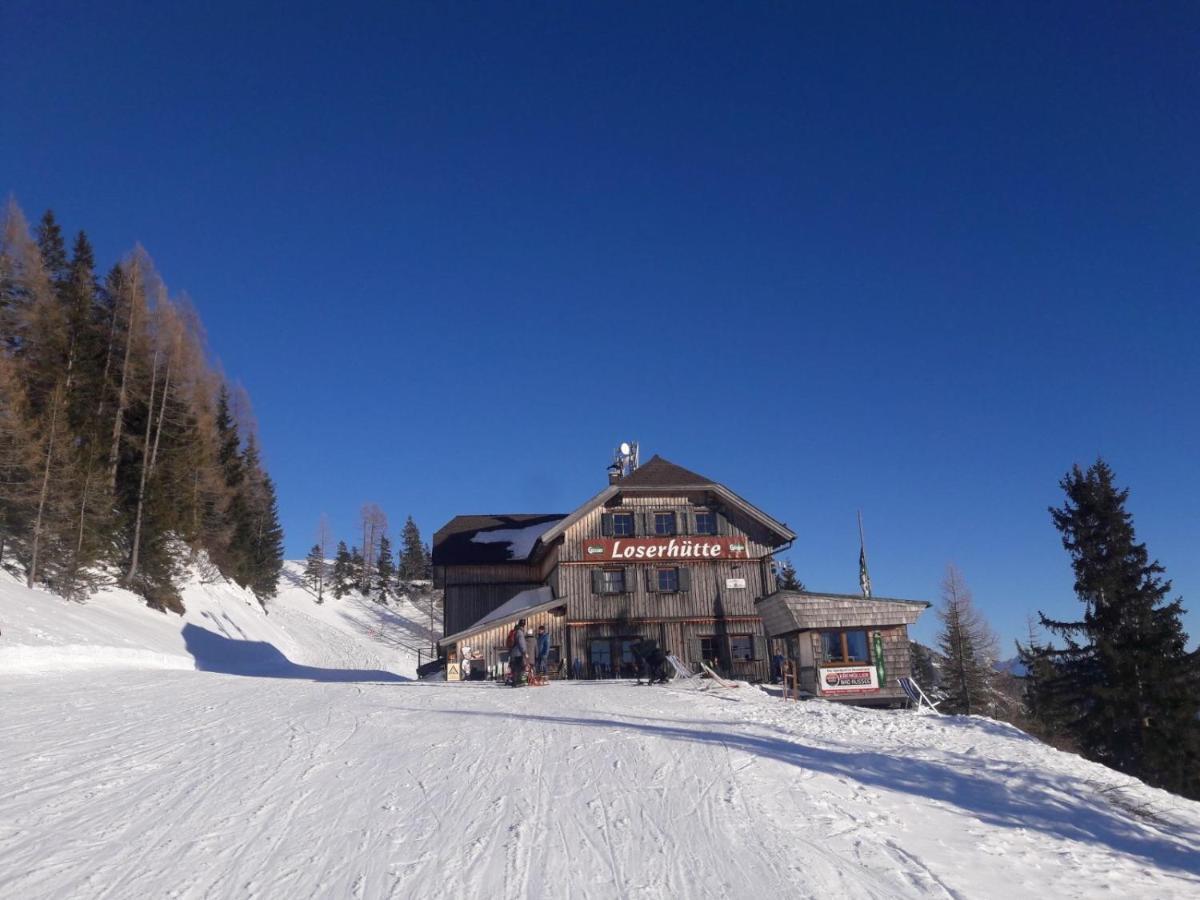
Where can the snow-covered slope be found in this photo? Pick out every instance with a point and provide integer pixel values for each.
(126, 784)
(298, 763)
(224, 630)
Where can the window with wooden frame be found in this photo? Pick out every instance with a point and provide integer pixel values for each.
(706, 522)
(668, 579)
(710, 648)
(741, 647)
(839, 648)
(608, 581)
(622, 524)
(664, 523)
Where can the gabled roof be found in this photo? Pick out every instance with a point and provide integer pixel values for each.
(490, 539)
(660, 474)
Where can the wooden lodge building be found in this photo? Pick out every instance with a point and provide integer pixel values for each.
(661, 553)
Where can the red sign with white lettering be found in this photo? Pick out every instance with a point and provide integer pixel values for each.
(675, 549)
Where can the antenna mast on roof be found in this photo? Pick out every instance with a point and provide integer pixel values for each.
(625, 461)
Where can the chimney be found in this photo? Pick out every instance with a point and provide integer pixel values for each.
(614, 473)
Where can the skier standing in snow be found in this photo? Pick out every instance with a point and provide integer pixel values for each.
(516, 652)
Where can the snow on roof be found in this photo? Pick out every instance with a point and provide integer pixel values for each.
(524, 602)
(520, 540)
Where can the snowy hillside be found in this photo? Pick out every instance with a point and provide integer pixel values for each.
(224, 629)
(299, 764)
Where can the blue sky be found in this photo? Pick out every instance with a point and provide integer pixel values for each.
(913, 260)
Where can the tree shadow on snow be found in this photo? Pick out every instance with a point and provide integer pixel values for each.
(998, 793)
(219, 653)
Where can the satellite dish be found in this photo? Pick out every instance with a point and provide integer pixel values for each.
(625, 448)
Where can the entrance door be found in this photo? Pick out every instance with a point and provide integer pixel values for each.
(600, 657)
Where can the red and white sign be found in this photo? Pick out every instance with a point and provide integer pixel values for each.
(849, 680)
(676, 549)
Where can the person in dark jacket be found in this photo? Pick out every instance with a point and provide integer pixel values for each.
(541, 654)
(516, 653)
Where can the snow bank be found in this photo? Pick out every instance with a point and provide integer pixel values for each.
(224, 629)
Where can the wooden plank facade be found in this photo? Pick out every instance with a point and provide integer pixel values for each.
(699, 607)
(666, 554)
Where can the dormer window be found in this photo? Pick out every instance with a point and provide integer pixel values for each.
(664, 523)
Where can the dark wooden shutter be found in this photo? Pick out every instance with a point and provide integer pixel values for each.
(597, 581)
(685, 579)
(646, 522)
(630, 579)
(760, 647)
(652, 579)
(694, 654)
(606, 524)
(724, 526)
(685, 521)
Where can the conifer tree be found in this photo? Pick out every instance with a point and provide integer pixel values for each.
(922, 666)
(358, 568)
(385, 570)
(343, 571)
(53, 249)
(412, 555)
(314, 571)
(1124, 682)
(968, 648)
(787, 579)
(257, 535)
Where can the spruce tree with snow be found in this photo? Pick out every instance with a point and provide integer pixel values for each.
(314, 571)
(1124, 684)
(412, 554)
(968, 648)
(385, 570)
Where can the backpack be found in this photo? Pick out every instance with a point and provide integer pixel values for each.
(512, 638)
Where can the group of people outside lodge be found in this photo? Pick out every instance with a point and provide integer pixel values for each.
(521, 645)
(651, 660)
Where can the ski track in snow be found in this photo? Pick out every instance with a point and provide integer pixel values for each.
(129, 776)
(198, 785)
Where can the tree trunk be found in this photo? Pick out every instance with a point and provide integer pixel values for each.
(141, 501)
(122, 394)
(31, 576)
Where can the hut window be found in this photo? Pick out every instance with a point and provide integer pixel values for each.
(664, 523)
(612, 581)
(668, 580)
(844, 647)
(706, 522)
(710, 648)
(741, 647)
(622, 524)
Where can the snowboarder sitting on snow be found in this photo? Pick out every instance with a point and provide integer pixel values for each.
(516, 653)
(542, 655)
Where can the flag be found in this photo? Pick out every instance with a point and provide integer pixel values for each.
(864, 577)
